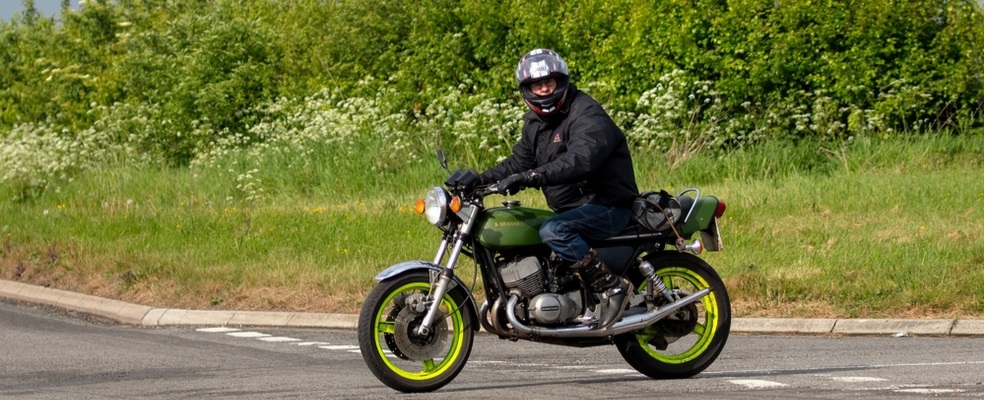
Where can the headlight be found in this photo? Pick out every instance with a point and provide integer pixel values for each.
(436, 206)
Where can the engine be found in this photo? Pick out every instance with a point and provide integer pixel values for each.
(530, 278)
(525, 275)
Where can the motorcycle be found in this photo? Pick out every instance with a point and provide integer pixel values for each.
(417, 325)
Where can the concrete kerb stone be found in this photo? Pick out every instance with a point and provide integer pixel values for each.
(968, 327)
(259, 318)
(93, 305)
(171, 317)
(194, 317)
(132, 314)
(37, 294)
(783, 325)
(11, 289)
(893, 326)
(153, 317)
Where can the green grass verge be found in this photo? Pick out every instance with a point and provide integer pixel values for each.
(874, 228)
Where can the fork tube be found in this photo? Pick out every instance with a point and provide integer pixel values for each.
(446, 274)
(440, 289)
(441, 251)
(453, 258)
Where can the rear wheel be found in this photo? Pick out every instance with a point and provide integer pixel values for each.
(393, 350)
(689, 340)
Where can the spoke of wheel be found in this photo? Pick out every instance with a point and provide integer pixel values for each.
(385, 327)
(429, 365)
(699, 329)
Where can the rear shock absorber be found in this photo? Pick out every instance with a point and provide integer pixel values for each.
(647, 270)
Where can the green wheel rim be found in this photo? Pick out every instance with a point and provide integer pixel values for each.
(704, 329)
(430, 369)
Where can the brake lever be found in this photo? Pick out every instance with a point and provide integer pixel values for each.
(487, 190)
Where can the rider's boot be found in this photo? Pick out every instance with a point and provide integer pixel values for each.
(613, 291)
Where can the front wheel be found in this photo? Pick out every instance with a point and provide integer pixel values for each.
(689, 340)
(388, 336)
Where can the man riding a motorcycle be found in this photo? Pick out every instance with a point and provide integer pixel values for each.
(542, 273)
(572, 150)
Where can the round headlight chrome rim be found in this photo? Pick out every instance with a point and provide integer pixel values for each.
(436, 206)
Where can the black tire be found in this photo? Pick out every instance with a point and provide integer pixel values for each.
(395, 353)
(690, 340)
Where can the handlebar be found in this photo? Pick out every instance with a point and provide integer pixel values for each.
(486, 190)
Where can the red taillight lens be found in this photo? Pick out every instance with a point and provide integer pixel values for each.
(720, 210)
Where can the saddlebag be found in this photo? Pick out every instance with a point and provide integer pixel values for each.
(657, 211)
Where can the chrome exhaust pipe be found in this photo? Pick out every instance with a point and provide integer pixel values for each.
(625, 325)
(483, 318)
(496, 322)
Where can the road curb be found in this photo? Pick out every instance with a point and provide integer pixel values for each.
(783, 325)
(134, 314)
(894, 326)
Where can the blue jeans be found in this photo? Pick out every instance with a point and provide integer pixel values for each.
(566, 232)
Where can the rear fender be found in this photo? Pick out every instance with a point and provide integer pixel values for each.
(701, 216)
(457, 287)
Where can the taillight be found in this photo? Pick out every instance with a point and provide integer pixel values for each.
(720, 209)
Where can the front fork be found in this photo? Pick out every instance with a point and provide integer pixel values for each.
(439, 289)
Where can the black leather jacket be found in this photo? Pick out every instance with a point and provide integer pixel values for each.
(581, 154)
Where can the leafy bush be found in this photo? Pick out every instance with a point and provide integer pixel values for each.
(173, 83)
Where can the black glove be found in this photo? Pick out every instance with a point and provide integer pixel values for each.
(517, 182)
(485, 178)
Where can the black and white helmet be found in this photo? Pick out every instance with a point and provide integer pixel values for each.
(537, 65)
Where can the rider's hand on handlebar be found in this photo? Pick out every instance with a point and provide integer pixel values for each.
(517, 182)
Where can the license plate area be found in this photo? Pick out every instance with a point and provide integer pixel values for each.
(711, 238)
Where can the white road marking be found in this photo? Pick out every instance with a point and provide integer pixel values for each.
(854, 379)
(929, 391)
(931, 364)
(757, 384)
(338, 347)
(617, 371)
(279, 339)
(220, 329)
(248, 334)
(869, 366)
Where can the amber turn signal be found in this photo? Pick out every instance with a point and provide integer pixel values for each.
(456, 204)
(419, 207)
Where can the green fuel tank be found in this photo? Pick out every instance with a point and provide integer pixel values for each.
(512, 226)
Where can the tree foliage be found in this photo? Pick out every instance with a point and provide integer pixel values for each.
(197, 71)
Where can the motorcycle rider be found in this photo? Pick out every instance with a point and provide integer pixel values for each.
(572, 150)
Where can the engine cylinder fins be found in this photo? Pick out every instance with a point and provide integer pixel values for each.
(525, 275)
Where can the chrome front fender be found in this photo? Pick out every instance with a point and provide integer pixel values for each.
(407, 266)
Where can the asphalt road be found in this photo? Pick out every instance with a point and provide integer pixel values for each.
(48, 353)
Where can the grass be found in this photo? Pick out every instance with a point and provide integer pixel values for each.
(872, 228)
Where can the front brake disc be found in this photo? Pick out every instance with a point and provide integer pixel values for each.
(414, 347)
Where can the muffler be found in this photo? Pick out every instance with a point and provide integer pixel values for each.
(627, 324)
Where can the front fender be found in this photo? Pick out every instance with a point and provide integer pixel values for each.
(407, 266)
(456, 286)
